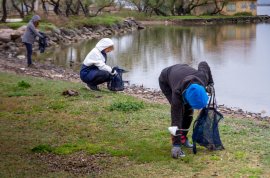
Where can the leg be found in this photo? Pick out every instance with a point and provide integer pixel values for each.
(29, 51)
(100, 77)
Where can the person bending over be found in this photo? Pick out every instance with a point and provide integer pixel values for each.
(185, 89)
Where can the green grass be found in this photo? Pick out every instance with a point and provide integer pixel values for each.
(16, 25)
(105, 20)
(38, 119)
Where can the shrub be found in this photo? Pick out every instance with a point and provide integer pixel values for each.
(243, 14)
(42, 149)
(23, 84)
(126, 106)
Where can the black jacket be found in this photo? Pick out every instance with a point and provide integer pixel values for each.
(175, 79)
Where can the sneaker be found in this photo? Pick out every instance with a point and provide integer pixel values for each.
(187, 144)
(92, 87)
(177, 152)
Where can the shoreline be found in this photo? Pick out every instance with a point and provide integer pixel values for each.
(11, 62)
(209, 21)
(49, 71)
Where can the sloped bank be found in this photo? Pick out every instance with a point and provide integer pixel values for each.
(49, 71)
(11, 45)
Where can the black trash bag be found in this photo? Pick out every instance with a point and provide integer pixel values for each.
(42, 42)
(205, 127)
(116, 82)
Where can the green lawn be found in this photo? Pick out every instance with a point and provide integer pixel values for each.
(36, 119)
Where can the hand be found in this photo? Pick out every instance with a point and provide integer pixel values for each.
(177, 152)
(114, 72)
(210, 89)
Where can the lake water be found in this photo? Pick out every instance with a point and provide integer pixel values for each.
(239, 57)
(263, 10)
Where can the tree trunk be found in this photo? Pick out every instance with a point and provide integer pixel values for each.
(18, 9)
(56, 7)
(44, 7)
(4, 17)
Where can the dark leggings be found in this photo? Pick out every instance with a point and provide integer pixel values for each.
(100, 77)
(29, 51)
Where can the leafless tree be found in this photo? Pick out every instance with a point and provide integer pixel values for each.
(101, 4)
(16, 5)
(219, 5)
(4, 8)
(56, 6)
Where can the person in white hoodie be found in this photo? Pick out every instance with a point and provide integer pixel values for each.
(94, 70)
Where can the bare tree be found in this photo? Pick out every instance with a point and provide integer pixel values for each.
(16, 5)
(101, 4)
(56, 6)
(4, 8)
(43, 2)
(29, 4)
(219, 5)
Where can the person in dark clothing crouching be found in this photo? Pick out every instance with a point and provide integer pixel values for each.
(94, 70)
(185, 89)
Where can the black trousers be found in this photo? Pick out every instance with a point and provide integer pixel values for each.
(29, 51)
(100, 77)
(187, 111)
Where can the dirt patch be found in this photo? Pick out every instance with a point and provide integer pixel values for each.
(79, 163)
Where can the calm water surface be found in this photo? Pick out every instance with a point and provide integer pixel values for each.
(237, 54)
(263, 10)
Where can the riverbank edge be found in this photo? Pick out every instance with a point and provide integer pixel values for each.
(11, 44)
(48, 71)
(208, 21)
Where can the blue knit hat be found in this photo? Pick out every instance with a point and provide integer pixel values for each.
(196, 96)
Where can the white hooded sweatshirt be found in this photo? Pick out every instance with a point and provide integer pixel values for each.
(95, 57)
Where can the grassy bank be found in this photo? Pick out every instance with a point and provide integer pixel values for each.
(50, 22)
(36, 119)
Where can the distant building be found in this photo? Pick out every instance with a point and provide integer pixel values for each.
(238, 6)
(232, 7)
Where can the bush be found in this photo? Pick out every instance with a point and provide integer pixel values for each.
(23, 84)
(126, 106)
(243, 14)
(42, 149)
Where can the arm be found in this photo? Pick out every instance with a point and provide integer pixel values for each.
(204, 67)
(102, 66)
(33, 29)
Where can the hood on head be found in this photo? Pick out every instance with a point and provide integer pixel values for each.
(104, 43)
(35, 18)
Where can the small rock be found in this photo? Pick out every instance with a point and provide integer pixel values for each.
(21, 57)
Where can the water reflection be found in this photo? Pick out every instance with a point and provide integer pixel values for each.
(237, 55)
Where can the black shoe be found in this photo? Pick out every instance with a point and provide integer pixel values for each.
(92, 87)
(32, 66)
